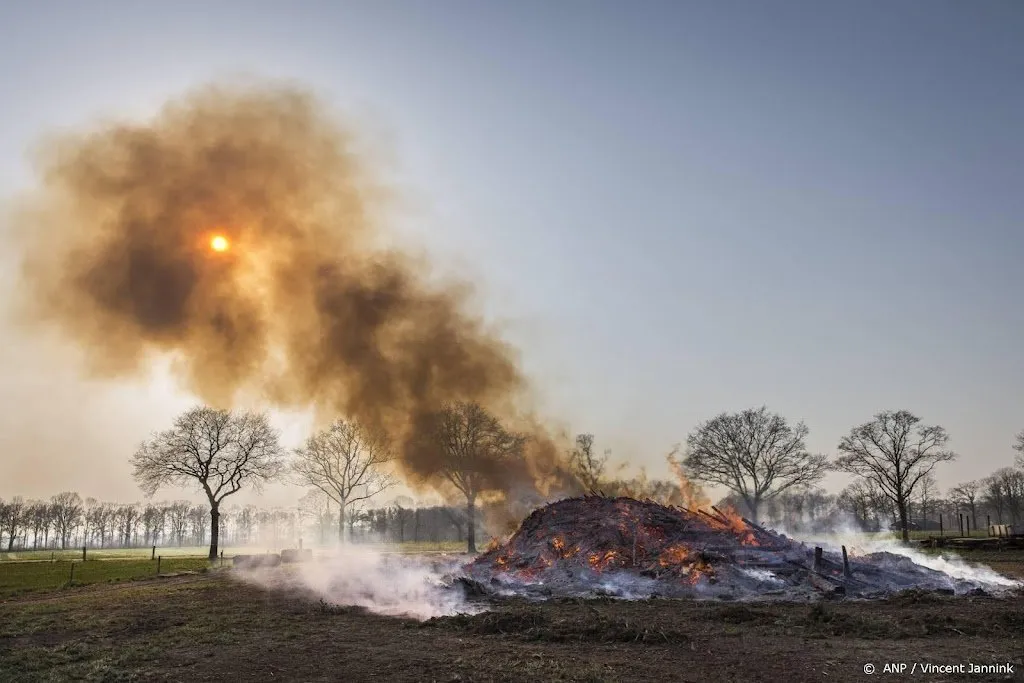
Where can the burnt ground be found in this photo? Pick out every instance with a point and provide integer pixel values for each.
(213, 627)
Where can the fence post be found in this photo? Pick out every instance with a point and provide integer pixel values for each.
(941, 532)
(71, 580)
(968, 525)
(83, 553)
(961, 524)
(222, 558)
(158, 560)
(153, 556)
(988, 525)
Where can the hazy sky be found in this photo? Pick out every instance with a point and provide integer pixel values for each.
(673, 208)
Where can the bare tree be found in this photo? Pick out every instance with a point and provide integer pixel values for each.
(475, 448)
(1004, 493)
(755, 454)
(318, 506)
(588, 467)
(67, 511)
(1019, 447)
(40, 517)
(219, 450)
(13, 516)
(129, 516)
(198, 520)
(896, 452)
(925, 496)
(346, 462)
(863, 500)
(965, 496)
(178, 517)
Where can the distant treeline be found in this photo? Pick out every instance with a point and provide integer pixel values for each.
(67, 521)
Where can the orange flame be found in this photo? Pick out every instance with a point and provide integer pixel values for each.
(601, 561)
(674, 555)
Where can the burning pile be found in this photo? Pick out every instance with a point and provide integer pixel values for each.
(622, 547)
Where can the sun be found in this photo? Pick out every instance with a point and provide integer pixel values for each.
(219, 243)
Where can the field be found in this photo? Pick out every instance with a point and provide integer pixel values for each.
(211, 626)
(201, 551)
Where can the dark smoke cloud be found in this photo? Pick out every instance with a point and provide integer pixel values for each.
(306, 309)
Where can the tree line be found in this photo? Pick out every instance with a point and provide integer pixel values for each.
(757, 455)
(67, 520)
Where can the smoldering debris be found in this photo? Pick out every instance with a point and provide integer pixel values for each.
(626, 548)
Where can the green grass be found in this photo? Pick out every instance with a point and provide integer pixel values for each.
(45, 570)
(120, 553)
(27, 577)
(421, 547)
(229, 551)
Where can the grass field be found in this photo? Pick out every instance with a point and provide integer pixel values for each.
(119, 622)
(26, 577)
(213, 627)
(201, 551)
(33, 571)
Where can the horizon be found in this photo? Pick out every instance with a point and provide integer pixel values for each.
(732, 209)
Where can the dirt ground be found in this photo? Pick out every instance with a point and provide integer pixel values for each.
(213, 627)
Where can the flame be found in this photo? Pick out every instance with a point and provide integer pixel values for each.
(697, 571)
(601, 561)
(674, 555)
(732, 520)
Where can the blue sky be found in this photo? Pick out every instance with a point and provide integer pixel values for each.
(672, 208)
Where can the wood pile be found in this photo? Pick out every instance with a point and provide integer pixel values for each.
(636, 548)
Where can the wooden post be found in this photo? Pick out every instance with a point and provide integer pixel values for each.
(988, 525)
(846, 563)
(968, 525)
(158, 560)
(817, 559)
(83, 553)
(153, 556)
(222, 558)
(72, 579)
(961, 524)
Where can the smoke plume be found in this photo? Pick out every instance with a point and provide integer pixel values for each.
(240, 232)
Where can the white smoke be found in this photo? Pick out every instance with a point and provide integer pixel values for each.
(858, 542)
(387, 583)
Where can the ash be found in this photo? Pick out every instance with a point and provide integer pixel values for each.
(621, 547)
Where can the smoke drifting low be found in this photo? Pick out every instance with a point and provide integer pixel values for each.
(240, 232)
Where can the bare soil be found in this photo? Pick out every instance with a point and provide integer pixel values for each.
(212, 627)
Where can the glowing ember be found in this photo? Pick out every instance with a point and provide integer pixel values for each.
(674, 555)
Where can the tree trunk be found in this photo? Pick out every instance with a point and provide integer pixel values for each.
(904, 526)
(471, 523)
(341, 524)
(214, 531)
